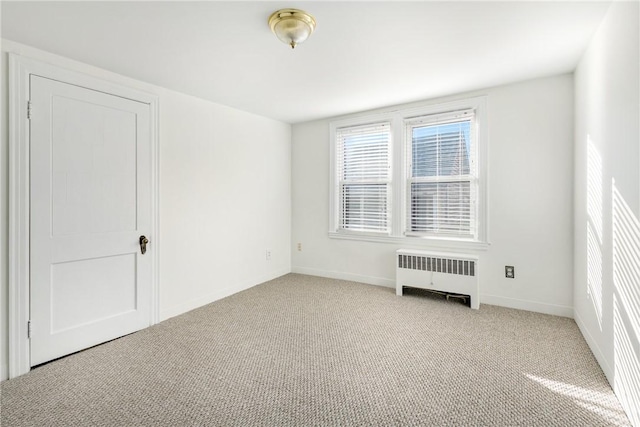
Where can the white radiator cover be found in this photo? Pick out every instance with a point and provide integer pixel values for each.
(445, 272)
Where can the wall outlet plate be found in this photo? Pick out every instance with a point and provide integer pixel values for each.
(509, 272)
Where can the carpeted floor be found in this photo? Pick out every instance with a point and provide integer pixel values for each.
(305, 351)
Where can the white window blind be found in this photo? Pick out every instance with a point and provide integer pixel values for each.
(364, 176)
(442, 175)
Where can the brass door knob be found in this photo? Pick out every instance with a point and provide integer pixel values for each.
(143, 244)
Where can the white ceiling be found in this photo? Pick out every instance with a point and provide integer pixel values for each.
(363, 54)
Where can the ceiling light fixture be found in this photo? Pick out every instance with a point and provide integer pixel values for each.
(292, 26)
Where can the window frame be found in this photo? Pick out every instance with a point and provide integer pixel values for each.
(335, 213)
(472, 178)
(342, 183)
(399, 148)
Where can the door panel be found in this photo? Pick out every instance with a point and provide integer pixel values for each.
(94, 183)
(90, 202)
(112, 291)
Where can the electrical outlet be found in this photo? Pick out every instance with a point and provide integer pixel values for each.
(268, 254)
(509, 272)
(299, 247)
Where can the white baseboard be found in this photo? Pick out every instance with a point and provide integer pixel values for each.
(370, 280)
(595, 349)
(219, 294)
(520, 304)
(4, 372)
(558, 310)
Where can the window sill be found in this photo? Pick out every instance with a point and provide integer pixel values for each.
(416, 242)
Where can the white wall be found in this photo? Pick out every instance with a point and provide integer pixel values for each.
(607, 201)
(530, 202)
(225, 196)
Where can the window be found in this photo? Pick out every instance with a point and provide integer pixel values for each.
(364, 177)
(412, 175)
(442, 183)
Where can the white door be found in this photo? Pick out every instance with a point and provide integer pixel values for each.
(90, 202)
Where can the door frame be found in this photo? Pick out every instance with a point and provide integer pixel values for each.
(20, 70)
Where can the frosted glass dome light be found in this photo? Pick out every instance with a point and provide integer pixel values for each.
(292, 26)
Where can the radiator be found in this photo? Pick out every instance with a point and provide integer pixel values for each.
(442, 272)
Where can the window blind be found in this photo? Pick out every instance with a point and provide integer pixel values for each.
(442, 183)
(364, 176)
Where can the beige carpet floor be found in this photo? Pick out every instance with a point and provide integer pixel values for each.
(305, 351)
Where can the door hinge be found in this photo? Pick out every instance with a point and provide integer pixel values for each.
(29, 329)
(28, 109)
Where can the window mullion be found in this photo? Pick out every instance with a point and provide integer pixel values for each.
(396, 184)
